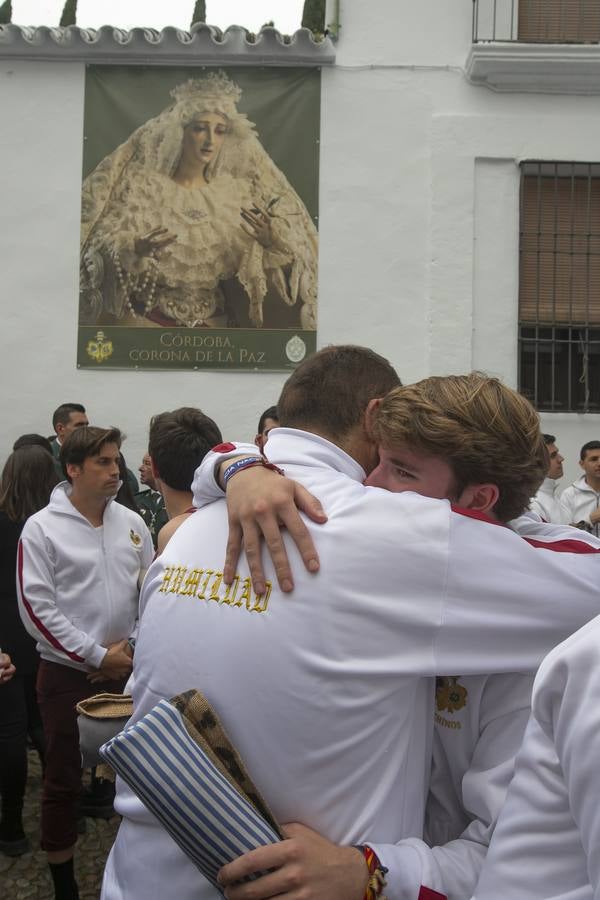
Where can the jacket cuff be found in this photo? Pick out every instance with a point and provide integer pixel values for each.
(95, 656)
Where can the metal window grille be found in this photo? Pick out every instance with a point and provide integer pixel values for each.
(531, 21)
(559, 285)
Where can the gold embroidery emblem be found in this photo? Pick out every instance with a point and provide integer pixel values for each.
(135, 538)
(207, 584)
(99, 349)
(449, 694)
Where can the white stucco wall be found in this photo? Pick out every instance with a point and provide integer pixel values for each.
(418, 224)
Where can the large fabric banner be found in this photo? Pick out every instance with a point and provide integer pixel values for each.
(198, 222)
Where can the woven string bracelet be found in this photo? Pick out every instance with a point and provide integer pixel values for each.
(246, 463)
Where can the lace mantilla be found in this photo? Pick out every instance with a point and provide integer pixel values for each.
(132, 192)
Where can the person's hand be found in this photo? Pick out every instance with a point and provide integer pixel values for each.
(260, 503)
(153, 242)
(116, 664)
(306, 867)
(595, 516)
(257, 224)
(7, 670)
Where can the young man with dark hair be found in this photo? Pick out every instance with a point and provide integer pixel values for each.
(580, 502)
(79, 563)
(177, 444)
(267, 421)
(546, 502)
(322, 691)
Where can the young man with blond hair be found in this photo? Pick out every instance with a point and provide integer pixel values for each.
(471, 440)
(323, 690)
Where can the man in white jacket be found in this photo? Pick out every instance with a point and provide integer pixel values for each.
(436, 440)
(580, 502)
(78, 566)
(546, 502)
(546, 842)
(321, 690)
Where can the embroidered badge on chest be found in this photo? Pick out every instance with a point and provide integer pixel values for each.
(450, 696)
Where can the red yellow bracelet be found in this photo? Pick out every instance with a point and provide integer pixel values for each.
(377, 873)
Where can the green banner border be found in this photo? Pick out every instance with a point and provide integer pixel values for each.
(252, 349)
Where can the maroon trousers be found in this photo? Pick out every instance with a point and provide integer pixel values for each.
(59, 689)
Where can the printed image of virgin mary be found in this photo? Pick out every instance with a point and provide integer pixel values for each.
(191, 223)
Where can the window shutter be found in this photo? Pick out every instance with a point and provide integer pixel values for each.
(559, 20)
(560, 250)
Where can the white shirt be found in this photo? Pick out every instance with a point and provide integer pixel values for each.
(546, 843)
(321, 689)
(546, 502)
(577, 502)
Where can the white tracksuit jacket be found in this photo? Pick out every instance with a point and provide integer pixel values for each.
(546, 844)
(479, 726)
(577, 502)
(546, 502)
(78, 585)
(321, 690)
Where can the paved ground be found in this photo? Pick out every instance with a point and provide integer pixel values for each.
(27, 877)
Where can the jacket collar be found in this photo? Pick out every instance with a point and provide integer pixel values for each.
(290, 446)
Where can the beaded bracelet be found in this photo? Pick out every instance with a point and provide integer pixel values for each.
(377, 873)
(246, 463)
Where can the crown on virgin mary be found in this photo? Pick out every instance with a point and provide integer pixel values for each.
(215, 87)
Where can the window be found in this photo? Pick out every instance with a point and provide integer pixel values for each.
(532, 21)
(565, 21)
(559, 286)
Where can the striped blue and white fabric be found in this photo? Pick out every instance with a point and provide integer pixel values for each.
(173, 777)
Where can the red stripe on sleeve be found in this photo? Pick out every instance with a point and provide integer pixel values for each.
(224, 448)
(475, 514)
(567, 546)
(37, 622)
(427, 894)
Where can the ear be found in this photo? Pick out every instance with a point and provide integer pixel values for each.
(73, 471)
(581, 463)
(153, 469)
(59, 428)
(370, 414)
(482, 497)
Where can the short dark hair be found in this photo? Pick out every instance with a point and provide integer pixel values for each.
(270, 413)
(62, 413)
(32, 440)
(28, 477)
(549, 439)
(85, 442)
(178, 442)
(331, 390)
(591, 445)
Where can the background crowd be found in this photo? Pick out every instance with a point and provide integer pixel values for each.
(38, 696)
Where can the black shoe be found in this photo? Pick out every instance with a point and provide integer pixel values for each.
(16, 847)
(97, 802)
